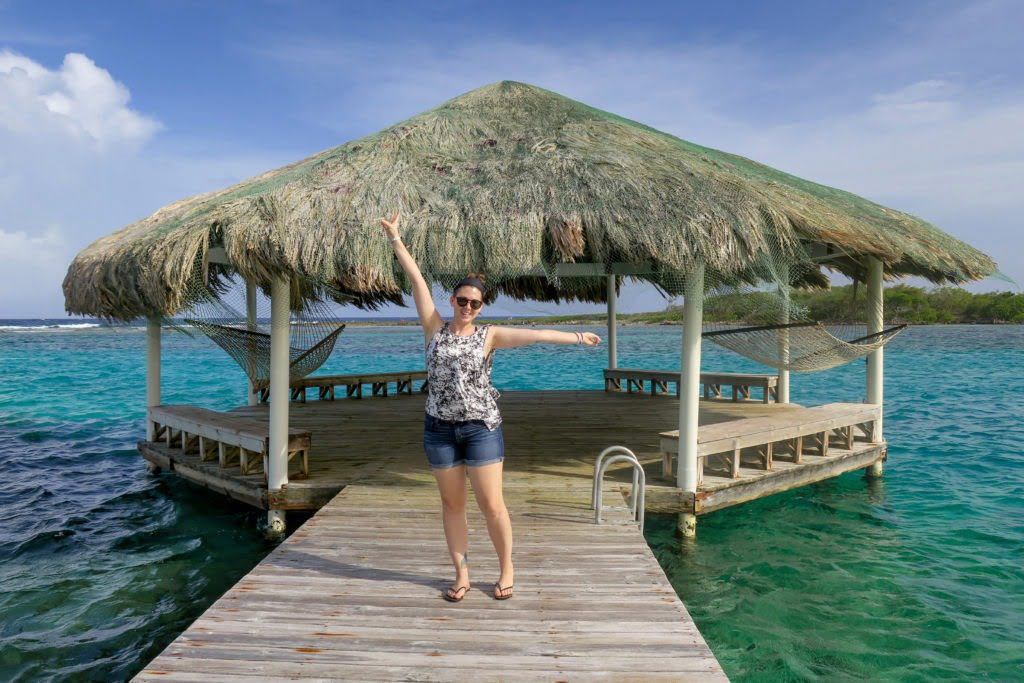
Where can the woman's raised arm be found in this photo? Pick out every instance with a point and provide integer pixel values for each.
(430, 319)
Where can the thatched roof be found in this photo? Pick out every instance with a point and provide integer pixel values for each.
(509, 180)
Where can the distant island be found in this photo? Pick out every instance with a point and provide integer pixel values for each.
(846, 304)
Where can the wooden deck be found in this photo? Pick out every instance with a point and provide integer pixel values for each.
(355, 594)
(546, 433)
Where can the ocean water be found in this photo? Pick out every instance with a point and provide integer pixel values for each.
(915, 577)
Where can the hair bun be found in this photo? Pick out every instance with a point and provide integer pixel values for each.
(479, 276)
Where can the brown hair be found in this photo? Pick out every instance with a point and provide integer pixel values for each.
(471, 280)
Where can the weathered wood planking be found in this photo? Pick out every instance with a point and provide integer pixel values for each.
(547, 433)
(227, 437)
(729, 439)
(353, 384)
(590, 601)
(659, 381)
(355, 594)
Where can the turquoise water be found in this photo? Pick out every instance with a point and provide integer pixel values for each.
(916, 577)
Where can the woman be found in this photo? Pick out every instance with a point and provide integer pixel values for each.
(462, 427)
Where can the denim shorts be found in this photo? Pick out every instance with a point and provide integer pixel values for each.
(450, 444)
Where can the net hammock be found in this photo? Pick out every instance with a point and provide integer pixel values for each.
(214, 311)
(800, 347)
(777, 331)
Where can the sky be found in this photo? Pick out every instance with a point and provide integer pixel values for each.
(111, 110)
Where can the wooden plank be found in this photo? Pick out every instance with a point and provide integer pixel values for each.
(226, 486)
(438, 672)
(554, 434)
(760, 434)
(756, 431)
(356, 594)
(227, 427)
(754, 488)
(712, 381)
(340, 380)
(673, 375)
(730, 378)
(232, 434)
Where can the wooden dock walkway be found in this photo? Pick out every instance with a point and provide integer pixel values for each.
(355, 594)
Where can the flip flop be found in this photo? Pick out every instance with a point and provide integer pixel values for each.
(455, 595)
(499, 592)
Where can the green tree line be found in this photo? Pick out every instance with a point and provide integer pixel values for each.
(915, 305)
(846, 304)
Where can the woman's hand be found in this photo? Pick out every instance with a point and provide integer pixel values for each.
(391, 226)
(590, 339)
(429, 318)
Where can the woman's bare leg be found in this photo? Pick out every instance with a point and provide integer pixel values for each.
(452, 485)
(487, 489)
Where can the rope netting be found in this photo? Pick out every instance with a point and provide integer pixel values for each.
(800, 347)
(218, 308)
(755, 315)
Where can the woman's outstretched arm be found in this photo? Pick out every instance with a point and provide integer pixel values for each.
(430, 319)
(511, 337)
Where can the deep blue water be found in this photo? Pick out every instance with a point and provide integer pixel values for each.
(916, 577)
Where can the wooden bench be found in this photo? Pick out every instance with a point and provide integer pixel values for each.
(224, 437)
(327, 384)
(797, 427)
(713, 382)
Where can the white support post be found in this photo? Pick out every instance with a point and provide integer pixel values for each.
(782, 395)
(689, 390)
(250, 320)
(613, 349)
(277, 458)
(875, 322)
(152, 369)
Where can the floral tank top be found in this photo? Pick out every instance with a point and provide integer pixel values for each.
(459, 378)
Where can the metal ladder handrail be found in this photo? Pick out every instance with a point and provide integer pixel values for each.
(601, 464)
(597, 464)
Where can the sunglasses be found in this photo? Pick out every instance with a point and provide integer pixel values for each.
(475, 304)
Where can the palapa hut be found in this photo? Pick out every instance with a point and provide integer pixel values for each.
(553, 199)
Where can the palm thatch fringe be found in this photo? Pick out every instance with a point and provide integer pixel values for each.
(509, 180)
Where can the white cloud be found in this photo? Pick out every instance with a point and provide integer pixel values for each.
(80, 100)
(925, 102)
(64, 134)
(21, 249)
(943, 156)
(76, 163)
(31, 264)
(922, 91)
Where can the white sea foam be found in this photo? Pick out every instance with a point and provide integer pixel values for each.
(75, 326)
